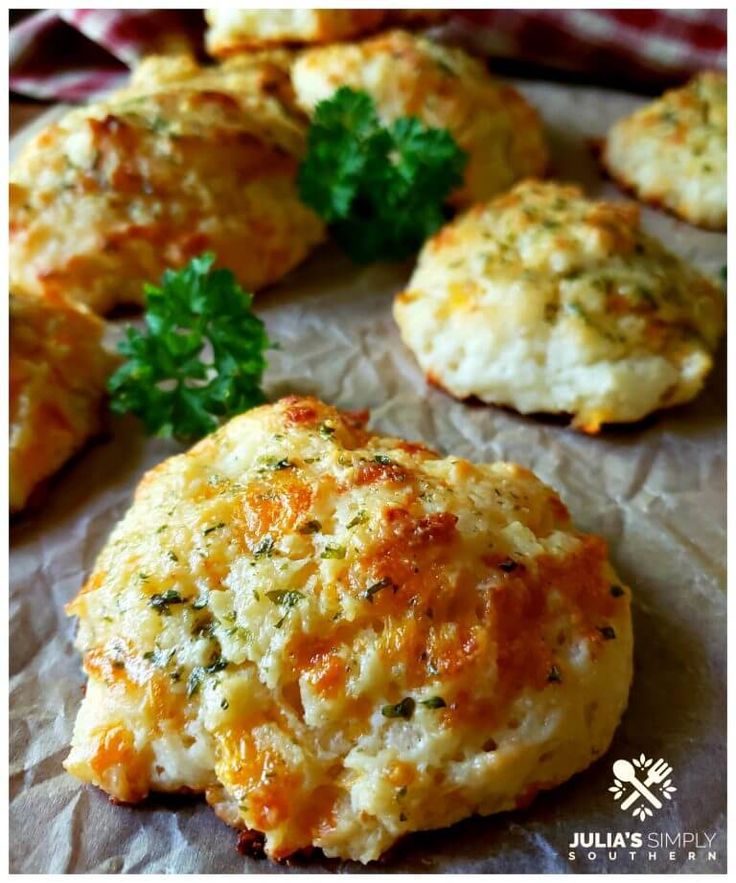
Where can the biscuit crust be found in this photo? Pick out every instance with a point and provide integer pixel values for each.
(341, 638)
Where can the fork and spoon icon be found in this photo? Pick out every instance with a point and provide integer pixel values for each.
(657, 773)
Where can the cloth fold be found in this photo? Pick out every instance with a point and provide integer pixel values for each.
(78, 54)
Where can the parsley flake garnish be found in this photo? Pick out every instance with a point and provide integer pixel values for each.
(162, 601)
(434, 702)
(334, 552)
(360, 518)
(264, 549)
(285, 598)
(403, 709)
(383, 583)
(199, 672)
(214, 527)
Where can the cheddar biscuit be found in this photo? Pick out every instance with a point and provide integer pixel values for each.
(58, 371)
(545, 301)
(672, 152)
(409, 75)
(184, 160)
(341, 638)
(233, 31)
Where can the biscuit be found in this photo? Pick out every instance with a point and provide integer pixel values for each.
(182, 161)
(232, 31)
(341, 638)
(672, 152)
(58, 370)
(545, 301)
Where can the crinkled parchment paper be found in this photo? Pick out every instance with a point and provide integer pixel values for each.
(655, 491)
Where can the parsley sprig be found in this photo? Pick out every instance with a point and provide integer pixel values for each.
(199, 358)
(381, 188)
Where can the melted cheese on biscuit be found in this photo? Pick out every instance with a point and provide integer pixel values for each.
(341, 638)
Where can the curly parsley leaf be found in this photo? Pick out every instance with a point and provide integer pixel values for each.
(381, 188)
(199, 358)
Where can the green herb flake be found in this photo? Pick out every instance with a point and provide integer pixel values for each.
(218, 526)
(383, 583)
(326, 430)
(160, 658)
(334, 552)
(162, 602)
(434, 702)
(265, 548)
(384, 460)
(360, 518)
(286, 599)
(199, 672)
(403, 709)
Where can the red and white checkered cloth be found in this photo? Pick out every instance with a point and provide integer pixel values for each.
(641, 45)
(74, 54)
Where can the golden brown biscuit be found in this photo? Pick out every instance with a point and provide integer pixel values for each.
(341, 638)
(58, 371)
(182, 161)
(672, 152)
(545, 301)
(410, 75)
(237, 30)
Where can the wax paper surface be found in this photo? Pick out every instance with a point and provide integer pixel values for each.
(656, 491)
